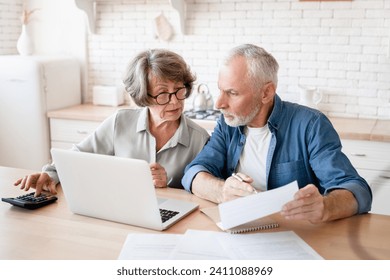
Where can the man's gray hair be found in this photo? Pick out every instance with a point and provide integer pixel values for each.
(262, 66)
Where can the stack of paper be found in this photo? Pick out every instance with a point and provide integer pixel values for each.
(210, 245)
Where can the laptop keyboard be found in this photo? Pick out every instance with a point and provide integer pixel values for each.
(167, 214)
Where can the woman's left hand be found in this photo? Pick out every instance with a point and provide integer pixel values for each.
(159, 175)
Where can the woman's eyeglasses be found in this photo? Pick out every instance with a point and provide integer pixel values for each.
(165, 97)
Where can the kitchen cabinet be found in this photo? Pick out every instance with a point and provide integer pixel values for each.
(65, 133)
(71, 125)
(372, 161)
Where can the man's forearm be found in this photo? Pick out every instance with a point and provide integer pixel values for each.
(208, 187)
(339, 204)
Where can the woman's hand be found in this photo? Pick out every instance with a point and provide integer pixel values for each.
(38, 181)
(159, 175)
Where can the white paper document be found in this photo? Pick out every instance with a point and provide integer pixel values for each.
(245, 209)
(210, 245)
(199, 245)
(284, 245)
(149, 246)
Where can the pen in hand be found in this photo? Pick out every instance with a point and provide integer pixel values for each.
(236, 176)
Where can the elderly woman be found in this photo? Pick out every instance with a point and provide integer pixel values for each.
(158, 81)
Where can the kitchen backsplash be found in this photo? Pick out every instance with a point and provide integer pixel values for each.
(341, 48)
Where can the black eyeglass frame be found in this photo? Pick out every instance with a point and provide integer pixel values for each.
(170, 95)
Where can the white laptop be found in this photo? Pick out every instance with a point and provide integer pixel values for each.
(115, 189)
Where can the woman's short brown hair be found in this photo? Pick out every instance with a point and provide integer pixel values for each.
(162, 64)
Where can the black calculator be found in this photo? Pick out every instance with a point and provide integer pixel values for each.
(28, 201)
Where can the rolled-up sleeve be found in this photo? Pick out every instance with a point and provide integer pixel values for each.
(190, 175)
(361, 192)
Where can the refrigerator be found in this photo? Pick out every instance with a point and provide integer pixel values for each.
(30, 86)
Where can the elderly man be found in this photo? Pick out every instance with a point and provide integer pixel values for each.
(270, 143)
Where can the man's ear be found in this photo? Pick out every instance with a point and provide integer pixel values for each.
(269, 91)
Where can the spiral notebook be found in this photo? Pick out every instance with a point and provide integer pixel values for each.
(259, 224)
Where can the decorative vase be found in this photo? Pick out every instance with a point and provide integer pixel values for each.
(25, 45)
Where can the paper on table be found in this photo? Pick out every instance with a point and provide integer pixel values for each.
(209, 245)
(242, 210)
(148, 246)
(199, 245)
(285, 245)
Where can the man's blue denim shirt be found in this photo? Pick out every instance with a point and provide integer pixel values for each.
(304, 147)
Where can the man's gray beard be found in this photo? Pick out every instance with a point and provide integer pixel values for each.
(241, 120)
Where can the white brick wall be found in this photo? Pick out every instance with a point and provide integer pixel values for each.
(340, 47)
(10, 12)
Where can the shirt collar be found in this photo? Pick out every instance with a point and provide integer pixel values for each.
(143, 120)
(274, 119)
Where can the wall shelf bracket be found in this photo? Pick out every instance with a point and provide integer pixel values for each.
(181, 7)
(89, 8)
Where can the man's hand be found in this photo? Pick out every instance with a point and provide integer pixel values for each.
(309, 204)
(208, 187)
(235, 187)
